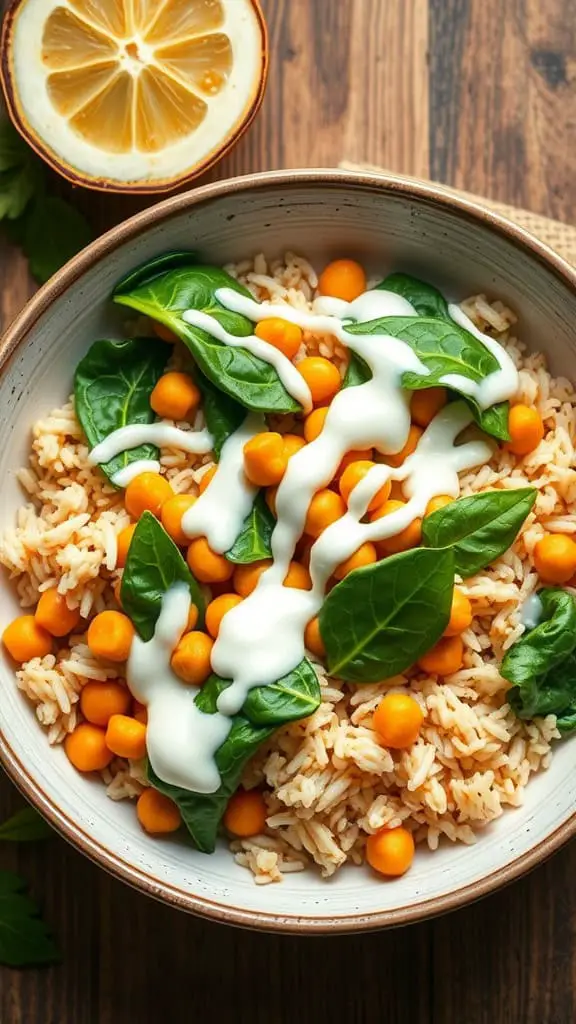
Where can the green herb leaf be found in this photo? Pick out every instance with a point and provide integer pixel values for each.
(112, 387)
(21, 173)
(25, 826)
(249, 380)
(357, 372)
(427, 301)
(55, 231)
(223, 415)
(253, 543)
(295, 696)
(542, 663)
(145, 273)
(24, 938)
(153, 565)
(380, 619)
(479, 528)
(444, 348)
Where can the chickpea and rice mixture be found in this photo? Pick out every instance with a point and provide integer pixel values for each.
(328, 781)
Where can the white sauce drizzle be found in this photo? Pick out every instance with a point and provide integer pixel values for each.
(531, 612)
(123, 477)
(218, 513)
(292, 380)
(261, 639)
(162, 434)
(181, 740)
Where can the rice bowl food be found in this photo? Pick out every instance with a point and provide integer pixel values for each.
(429, 657)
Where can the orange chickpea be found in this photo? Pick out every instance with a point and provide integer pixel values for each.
(293, 443)
(157, 814)
(207, 478)
(246, 577)
(171, 516)
(123, 542)
(342, 279)
(313, 638)
(147, 492)
(526, 429)
(406, 539)
(397, 720)
(365, 555)
(99, 701)
(314, 423)
(281, 334)
(297, 577)
(53, 614)
(175, 396)
(110, 636)
(325, 508)
(555, 557)
(86, 748)
(140, 712)
(24, 639)
(444, 658)
(440, 501)
(126, 737)
(245, 814)
(164, 333)
(206, 565)
(217, 609)
(414, 435)
(265, 459)
(356, 455)
(460, 614)
(426, 404)
(321, 376)
(390, 851)
(352, 476)
(191, 658)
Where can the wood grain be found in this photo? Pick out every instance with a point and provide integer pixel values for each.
(480, 94)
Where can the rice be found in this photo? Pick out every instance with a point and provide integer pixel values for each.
(328, 781)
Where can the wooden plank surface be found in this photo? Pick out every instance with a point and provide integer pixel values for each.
(480, 94)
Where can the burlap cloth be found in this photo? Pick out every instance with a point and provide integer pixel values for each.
(558, 236)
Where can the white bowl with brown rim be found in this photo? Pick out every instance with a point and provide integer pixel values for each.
(384, 221)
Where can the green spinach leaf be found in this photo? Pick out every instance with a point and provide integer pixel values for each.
(153, 564)
(542, 664)
(253, 542)
(295, 696)
(444, 348)
(380, 619)
(24, 939)
(427, 301)
(357, 372)
(54, 232)
(25, 826)
(223, 415)
(479, 528)
(145, 273)
(112, 387)
(249, 380)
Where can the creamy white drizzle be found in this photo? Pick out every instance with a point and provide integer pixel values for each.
(292, 380)
(181, 740)
(531, 612)
(163, 435)
(218, 513)
(496, 387)
(123, 477)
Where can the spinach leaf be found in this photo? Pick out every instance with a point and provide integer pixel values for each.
(548, 644)
(223, 415)
(54, 232)
(253, 542)
(153, 564)
(156, 266)
(202, 812)
(380, 619)
(112, 387)
(253, 382)
(24, 939)
(427, 301)
(542, 664)
(25, 826)
(357, 372)
(479, 528)
(444, 348)
(295, 696)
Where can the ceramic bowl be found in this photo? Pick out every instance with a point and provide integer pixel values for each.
(386, 222)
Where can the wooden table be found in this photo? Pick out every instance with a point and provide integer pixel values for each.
(480, 94)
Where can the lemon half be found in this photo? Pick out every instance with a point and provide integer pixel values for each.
(133, 95)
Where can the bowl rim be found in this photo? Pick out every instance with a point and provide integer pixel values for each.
(411, 189)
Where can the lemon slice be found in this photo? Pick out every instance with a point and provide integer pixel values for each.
(133, 95)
